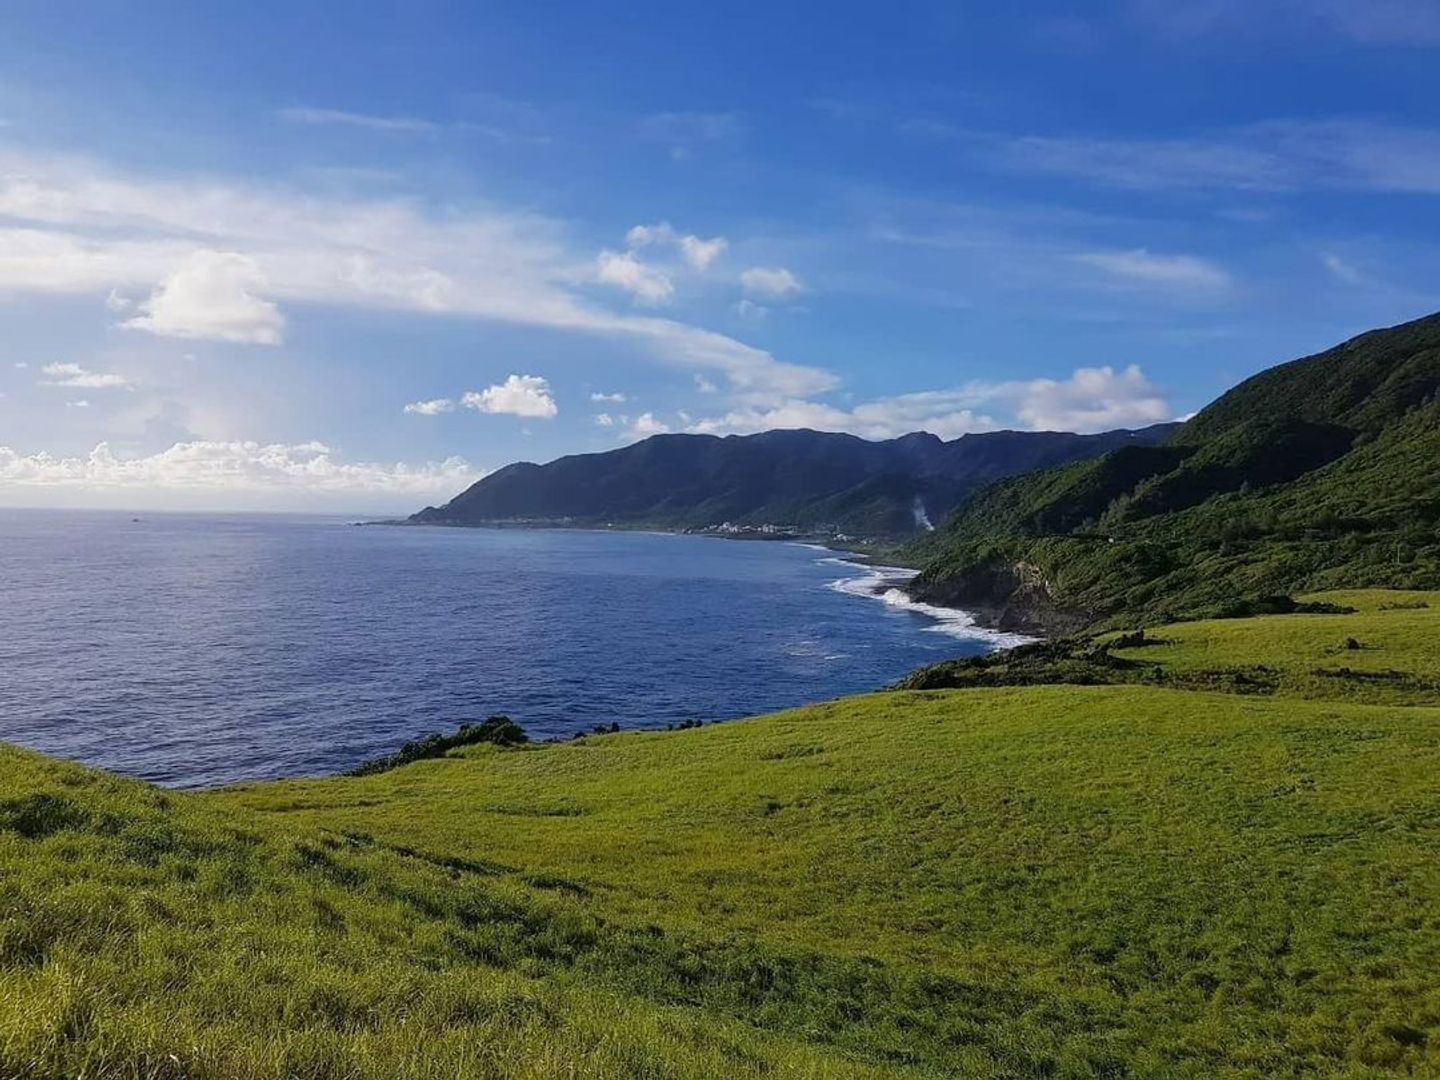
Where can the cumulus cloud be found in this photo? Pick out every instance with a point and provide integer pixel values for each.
(213, 297)
(697, 252)
(947, 414)
(85, 229)
(604, 420)
(624, 271)
(774, 283)
(1183, 273)
(1092, 399)
(433, 407)
(615, 399)
(518, 395)
(229, 467)
(78, 376)
(643, 426)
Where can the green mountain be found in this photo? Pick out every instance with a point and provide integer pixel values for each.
(810, 480)
(1320, 473)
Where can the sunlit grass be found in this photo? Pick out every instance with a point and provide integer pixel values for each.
(1042, 881)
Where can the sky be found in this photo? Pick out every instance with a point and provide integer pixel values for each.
(354, 256)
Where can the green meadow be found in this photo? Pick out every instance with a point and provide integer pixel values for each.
(1176, 874)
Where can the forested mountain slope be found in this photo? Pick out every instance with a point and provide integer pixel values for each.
(810, 480)
(1320, 473)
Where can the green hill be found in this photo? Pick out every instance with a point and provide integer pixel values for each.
(1153, 879)
(1320, 473)
(811, 481)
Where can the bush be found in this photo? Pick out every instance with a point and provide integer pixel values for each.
(497, 730)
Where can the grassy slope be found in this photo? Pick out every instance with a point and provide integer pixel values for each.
(1042, 881)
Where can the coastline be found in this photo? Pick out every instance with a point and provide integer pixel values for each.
(888, 585)
(887, 582)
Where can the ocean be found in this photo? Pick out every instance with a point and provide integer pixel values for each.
(196, 651)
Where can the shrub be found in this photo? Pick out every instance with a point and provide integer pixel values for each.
(496, 730)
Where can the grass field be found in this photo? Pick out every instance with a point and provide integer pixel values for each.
(1046, 881)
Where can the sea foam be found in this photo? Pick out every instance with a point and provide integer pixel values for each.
(884, 583)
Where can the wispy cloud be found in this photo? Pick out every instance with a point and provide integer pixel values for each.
(405, 125)
(1177, 273)
(772, 283)
(685, 133)
(1395, 22)
(222, 260)
(431, 407)
(75, 375)
(1279, 155)
(1340, 269)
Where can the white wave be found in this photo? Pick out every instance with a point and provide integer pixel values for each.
(881, 583)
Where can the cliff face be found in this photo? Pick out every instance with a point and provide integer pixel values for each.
(809, 480)
(1005, 594)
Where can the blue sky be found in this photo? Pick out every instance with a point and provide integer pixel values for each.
(354, 256)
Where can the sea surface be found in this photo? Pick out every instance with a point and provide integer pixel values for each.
(205, 650)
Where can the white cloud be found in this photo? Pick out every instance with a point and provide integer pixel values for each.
(625, 271)
(604, 420)
(749, 309)
(1341, 270)
(705, 386)
(643, 426)
(1276, 155)
(114, 301)
(943, 413)
(686, 132)
(1092, 399)
(616, 399)
(701, 253)
(697, 252)
(518, 395)
(1400, 22)
(81, 404)
(87, 230)
(213, 297)
(231, 467)
(1183, 273)
(407, 125)
(75, 375)
(774, 283)
(433, 407)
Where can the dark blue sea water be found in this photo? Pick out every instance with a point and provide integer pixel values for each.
(196, 650)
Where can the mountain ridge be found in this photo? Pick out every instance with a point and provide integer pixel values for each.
(811, 481)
